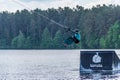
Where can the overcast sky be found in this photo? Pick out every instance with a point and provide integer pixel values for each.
(13, 5)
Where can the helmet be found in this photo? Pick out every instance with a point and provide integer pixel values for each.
(76, 30)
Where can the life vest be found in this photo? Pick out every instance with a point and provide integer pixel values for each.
(76, 37)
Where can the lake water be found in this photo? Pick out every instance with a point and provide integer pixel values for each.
(39, 65)
(44, 65)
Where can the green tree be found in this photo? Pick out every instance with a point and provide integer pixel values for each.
(19, 41)
(102, 43)
(113, 36)
(58, 40)
(3, 43)
(28, 43)
(46, 42)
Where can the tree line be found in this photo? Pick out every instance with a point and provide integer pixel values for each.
(99, 28)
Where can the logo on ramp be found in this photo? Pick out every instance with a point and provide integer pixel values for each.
(96, 58)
